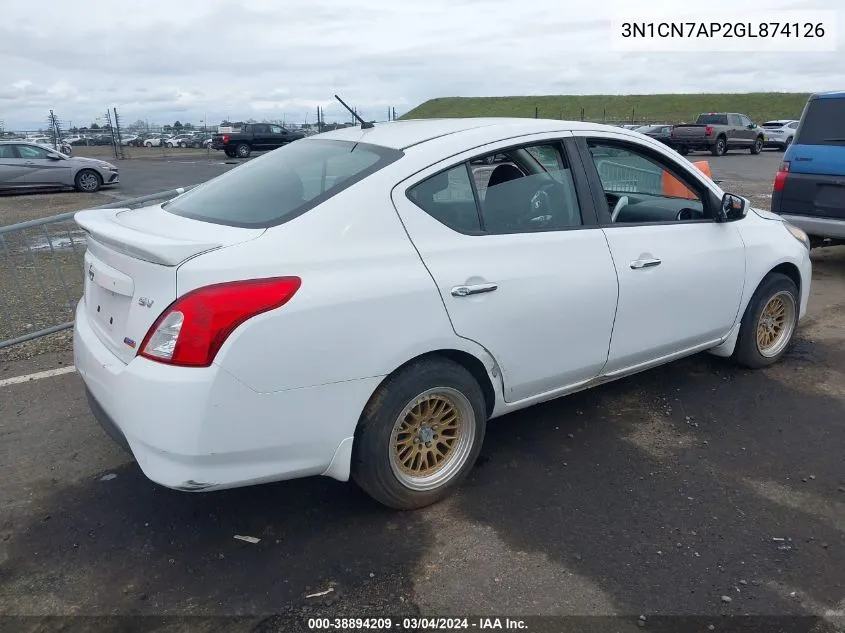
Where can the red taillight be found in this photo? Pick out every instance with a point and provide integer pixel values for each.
(193, 329)
(708, 131)
(225, 138)
(780, 177)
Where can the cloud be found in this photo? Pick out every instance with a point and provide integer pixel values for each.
(241, 59)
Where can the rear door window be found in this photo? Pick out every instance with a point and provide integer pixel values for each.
(823, 123)
(283, 184)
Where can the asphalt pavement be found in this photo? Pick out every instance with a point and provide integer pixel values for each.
(696, 489)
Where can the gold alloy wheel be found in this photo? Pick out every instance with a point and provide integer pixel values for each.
(776, 324)
(432, 438)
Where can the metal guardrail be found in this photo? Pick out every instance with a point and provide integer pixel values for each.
(627, 178)
(41, 272)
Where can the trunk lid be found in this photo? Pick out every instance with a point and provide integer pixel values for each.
(131, 263)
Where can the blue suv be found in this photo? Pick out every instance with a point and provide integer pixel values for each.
(809, 188)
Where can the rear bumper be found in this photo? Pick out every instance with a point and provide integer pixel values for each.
(693, 143)
(202, 429)
(813, 202)
(774, 141)
(819, 227)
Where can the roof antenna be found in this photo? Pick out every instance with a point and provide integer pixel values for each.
(364, 124)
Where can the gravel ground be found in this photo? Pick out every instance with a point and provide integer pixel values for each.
(20, 207)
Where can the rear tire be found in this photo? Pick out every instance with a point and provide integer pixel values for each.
(683, 150)
(720, 148)
(88, 181)
(769, 323)
(419, 435)
(243, 150)
(787, 144)
(757, 146)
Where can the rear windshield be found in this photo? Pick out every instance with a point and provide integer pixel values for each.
(712, 119)
(774, 124)
(823, 123)
(282, 184)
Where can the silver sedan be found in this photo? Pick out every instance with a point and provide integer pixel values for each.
(32, 166)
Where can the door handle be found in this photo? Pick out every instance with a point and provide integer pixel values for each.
(465, 291)
(644, 263)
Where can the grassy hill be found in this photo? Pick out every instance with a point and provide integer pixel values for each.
(671, 108)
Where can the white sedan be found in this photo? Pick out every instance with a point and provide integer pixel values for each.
(359, 303)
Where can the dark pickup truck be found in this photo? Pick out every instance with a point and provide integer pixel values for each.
(719, 132)
(245, 139)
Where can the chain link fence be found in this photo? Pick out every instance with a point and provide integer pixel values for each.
(41, 272)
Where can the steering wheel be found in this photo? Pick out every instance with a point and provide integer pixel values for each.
(623, 201)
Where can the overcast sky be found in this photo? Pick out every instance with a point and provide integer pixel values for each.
(279, 59)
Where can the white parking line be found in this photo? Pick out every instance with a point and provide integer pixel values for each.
(37, 376)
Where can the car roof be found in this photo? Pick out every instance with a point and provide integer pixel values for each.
(834, 94)
(407, 133)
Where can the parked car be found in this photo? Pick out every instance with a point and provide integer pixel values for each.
(719, 132)
(45, 141)
(199, 141)
(352, 305)
(809, 188)
(254, 136)
(660, 132)
(78, 141)
(182, 140)
(32, 166)
(156, 140)
(101, 139)
(780, 133)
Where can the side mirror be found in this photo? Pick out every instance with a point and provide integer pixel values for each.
(733, 207)
(751, 126)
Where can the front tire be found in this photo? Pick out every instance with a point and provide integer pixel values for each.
(769, 323)
(757, 146)
(88, 181)
(419, 435)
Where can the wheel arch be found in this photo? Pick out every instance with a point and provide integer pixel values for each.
(341, 463)
(474, 365)
(787, 268)
(790, 270)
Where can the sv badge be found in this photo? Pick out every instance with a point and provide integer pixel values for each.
(145, 303)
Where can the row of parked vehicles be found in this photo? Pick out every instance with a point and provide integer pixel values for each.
(193, 139)
(720, 132)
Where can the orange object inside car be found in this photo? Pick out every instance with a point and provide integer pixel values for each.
(675, 188)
